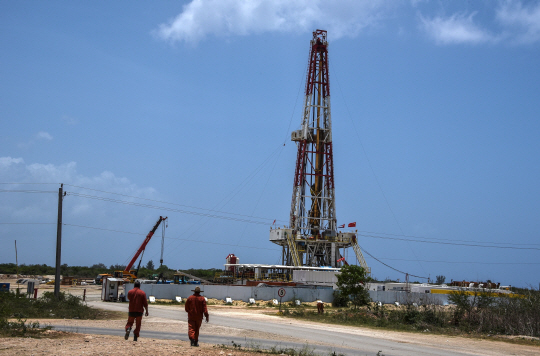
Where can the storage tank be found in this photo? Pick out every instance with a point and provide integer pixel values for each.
(232, 259)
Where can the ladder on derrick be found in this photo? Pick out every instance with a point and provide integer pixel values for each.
(360, 257)
(292, 249)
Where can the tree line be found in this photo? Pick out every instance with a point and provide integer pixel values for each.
(147, 271)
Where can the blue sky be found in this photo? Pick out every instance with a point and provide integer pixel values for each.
(190, 106)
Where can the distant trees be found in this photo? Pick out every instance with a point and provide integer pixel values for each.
(98, 268)
(352, 283)
(167, 272)
(150, 265)
(117, 267)
(440, 279)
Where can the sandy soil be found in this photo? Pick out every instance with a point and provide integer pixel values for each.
(60, 343)
(166, 325)
(70, 343)
(483, 346)
(67, 343)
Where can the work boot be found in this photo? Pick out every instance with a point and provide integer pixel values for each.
(134, 337)
(196, 343)
(128, 330)
(191, 342)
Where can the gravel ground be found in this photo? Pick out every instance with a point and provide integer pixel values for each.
(61, 343)
(166, 325)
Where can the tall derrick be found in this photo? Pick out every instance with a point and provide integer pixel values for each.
(312, 238)
(313, 201)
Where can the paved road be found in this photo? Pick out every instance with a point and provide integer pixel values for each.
(341, 342)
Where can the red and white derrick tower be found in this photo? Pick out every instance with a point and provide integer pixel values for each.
(312, 238)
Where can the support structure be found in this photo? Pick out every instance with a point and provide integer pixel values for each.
(312, 238)
(58, 242)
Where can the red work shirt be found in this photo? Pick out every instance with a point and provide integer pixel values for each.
(137, 300)
(196, 307)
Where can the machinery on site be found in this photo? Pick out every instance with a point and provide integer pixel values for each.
(100, 277)
(130, 273)
(312, 237)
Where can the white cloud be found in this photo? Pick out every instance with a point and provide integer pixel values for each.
(201, 18)
(70, 120)
(16, 170)
(5, 162)
(523, 21)
(513, 22)
(44, 135)
(458, 28)
(32, 206)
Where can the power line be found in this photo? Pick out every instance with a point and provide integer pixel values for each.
(294, 108)
(262, 192)
(170, 203)
(433, 238)
(26, 191)
(373, 171)
(172, 238)
(439, 241)
(29, 223)
(111, 200)
(468, 262)
(28, 183)
(453, 244)
(202, 221)
(395, 269)
(257, 217)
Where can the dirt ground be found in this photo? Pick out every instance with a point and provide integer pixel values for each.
(61, 343)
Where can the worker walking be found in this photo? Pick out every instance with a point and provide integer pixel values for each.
(196, 308)
(137, 303)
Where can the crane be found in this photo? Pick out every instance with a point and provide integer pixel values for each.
(128, 272)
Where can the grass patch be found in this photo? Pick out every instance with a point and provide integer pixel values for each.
(168, 302)
(66, 306)
(305, 350)
(408, 318)
(19, 307)
(21, 328)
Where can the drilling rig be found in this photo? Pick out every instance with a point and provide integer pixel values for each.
(312, 238)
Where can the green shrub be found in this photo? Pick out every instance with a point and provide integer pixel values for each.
(18, 305)
(340, 300)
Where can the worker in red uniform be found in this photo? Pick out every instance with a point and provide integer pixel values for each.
(196, 308)
(137, 303)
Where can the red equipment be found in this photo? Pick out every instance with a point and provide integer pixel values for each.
(232, 259)
(127, 270)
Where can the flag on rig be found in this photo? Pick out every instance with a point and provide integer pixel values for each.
(341, 226)
(274, 222)
(353, 224)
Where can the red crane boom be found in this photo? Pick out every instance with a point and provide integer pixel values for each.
(143, 245)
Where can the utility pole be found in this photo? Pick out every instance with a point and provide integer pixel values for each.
(17, 263)
(58, 241)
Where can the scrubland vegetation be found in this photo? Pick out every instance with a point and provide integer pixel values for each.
(480, 314)
(15, 305)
